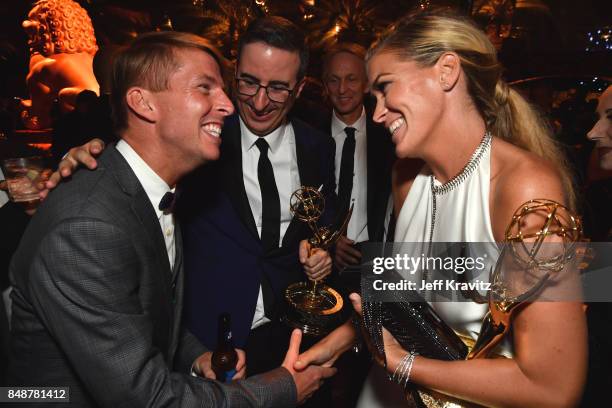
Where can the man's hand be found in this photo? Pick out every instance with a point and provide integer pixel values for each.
(203, 366)
(84, 155)
(308, 380)
(327, 350)
(346, 254)
(317, 263)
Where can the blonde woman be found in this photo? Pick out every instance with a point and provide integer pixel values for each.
(439, 91)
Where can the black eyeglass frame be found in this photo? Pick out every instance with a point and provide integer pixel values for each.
(266, 87)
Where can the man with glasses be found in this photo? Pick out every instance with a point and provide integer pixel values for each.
(241, 240)
(277, 93)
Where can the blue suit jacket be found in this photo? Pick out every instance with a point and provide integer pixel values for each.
(224, 258)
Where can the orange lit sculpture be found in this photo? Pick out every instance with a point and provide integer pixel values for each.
(62, 46)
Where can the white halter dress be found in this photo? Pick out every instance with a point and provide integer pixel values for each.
(461, 215)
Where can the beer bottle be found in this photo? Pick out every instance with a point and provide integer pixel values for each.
(224, 358)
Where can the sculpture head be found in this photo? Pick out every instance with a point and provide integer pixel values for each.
(59, 26)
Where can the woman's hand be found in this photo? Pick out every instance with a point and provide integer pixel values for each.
(393, 350)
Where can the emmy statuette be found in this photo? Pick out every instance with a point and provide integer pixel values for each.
(313, 306)
(540, 240)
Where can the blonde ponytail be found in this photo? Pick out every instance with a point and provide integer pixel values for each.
(521, 124)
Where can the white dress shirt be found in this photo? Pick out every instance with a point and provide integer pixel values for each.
(358, 225)
(283, 156)
(155, 188)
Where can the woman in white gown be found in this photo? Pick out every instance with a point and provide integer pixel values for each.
(437, 82)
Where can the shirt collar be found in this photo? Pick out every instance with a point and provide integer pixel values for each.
(337, 125)
(154, 186)
(274, 138)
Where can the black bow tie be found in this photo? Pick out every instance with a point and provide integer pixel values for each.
(167, 203)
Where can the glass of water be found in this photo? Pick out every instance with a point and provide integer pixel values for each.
(25, 176)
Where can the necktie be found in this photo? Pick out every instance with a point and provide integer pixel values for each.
(166, 204)
(270, 214)
(345, 182)
(270, 203)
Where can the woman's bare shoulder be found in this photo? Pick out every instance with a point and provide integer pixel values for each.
(524, 174)
(518, 176)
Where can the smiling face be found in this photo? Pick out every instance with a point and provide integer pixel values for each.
(409, 101)
(601, 133)
(268, 66)
(346, 83)
(193, 108)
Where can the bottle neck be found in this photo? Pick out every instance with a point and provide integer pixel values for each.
(224, 334)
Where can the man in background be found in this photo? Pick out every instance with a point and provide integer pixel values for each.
(364, 152)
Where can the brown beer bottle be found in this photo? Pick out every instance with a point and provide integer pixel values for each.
(224, 358)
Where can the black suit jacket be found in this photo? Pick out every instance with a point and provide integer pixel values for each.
(97, 307)
(380, 157)
(224, 259)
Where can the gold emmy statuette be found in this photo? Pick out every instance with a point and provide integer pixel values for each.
(313, 306)
(541, 239)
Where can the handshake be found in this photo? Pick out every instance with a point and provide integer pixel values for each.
(306, 376)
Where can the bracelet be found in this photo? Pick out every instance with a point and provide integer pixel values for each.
(403, 369)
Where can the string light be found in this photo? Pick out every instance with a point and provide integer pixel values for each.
(601, 39)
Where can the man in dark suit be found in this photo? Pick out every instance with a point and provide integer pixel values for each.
(98, 277)
(243, 247)
(364, 152)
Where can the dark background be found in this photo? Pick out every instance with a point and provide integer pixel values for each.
(537, 37)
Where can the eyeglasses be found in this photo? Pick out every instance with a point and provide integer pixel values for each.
(276, 93)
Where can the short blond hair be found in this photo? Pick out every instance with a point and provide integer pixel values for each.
(148, 62)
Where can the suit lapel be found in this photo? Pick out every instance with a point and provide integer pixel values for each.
(308, 177)
(234, 182)
(371, 156)
(141, 207)
(178, 245)
(152, 235)
(177, 288)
